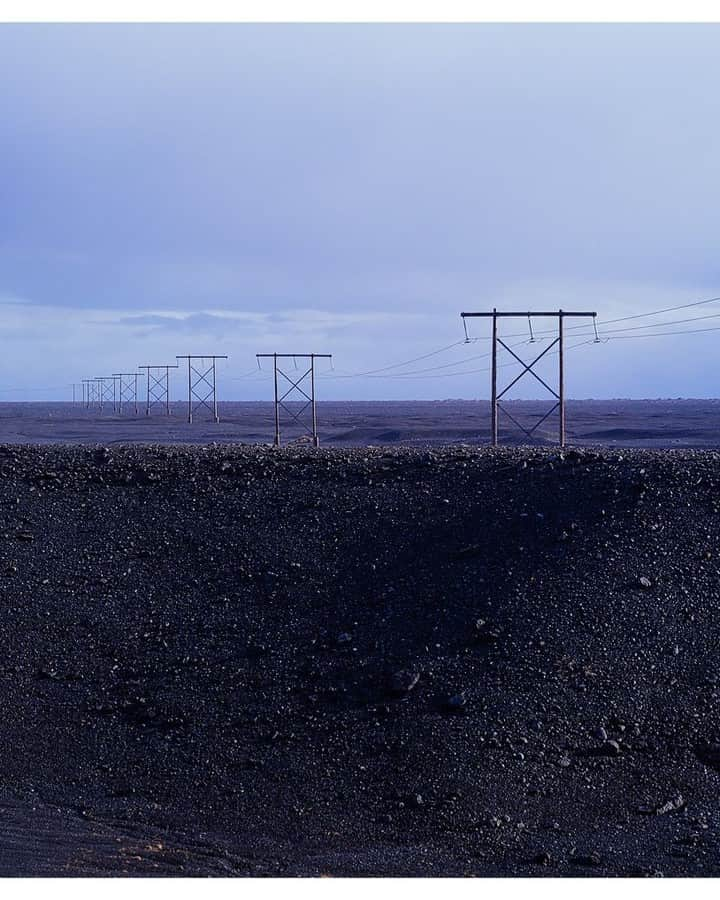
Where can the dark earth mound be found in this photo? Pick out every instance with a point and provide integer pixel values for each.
(225, 660)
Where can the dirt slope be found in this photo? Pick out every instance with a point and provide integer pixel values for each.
(244, 661)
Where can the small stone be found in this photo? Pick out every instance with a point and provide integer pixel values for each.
(611, 748)
(484, 632)
(456, 702)
(600, 734)
(644, 582)
(344, 638)
(542, 859)
(403, 681)
(672, 805)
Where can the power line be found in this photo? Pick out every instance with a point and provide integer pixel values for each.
(661, 324)
(658, 324)
(616, 333)
(399, 365)
(656, 312)
(410, 377)
(627, 337)
(459, 362)
(534, 335)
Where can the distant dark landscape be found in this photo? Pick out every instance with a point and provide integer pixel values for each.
(610, 423)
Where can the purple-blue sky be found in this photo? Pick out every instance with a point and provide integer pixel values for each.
(350, 189)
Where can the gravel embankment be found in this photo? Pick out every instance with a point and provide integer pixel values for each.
(393, 662)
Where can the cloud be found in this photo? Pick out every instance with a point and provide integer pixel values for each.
(243, 190)
(267, 325)
(193, 324)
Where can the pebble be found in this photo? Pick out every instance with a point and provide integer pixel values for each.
(456, 702)
(403, 681)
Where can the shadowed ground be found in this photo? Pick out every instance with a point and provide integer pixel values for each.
(226, 660)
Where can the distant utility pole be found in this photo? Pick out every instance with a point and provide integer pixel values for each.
(127, 389)
(202, 390)
(92, 392)
(558, 394)
(107, 385)
(299, 387)
(158, 387)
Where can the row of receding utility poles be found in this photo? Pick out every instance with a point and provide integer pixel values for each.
(119, 391)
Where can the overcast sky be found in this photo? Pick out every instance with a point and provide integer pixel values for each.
(350, 189)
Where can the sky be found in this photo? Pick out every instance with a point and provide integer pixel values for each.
(350, 189)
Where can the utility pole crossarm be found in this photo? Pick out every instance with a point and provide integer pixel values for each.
(523, 315)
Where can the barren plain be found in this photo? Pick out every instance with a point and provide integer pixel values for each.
(237, 660)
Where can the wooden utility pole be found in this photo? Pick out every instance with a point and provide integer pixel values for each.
(298, 391)
(559, 394)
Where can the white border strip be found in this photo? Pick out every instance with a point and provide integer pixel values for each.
(359, 11)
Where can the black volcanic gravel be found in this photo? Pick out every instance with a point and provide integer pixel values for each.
(239, 660)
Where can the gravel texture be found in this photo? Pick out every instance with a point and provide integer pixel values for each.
(239, 660)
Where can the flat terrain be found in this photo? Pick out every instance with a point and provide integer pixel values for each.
(244, 661)
(615, 423)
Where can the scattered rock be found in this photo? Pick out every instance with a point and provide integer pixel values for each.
(484, 632)
(589, 859)
(675, 803)
(101, 456)
(611, 748)
(455, 703)
(403, 681)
